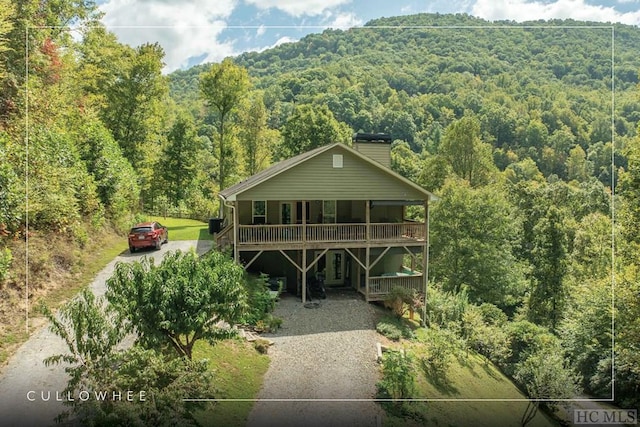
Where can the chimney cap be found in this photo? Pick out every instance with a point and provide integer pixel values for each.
(372, 137)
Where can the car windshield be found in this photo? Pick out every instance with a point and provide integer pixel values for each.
(141, 230)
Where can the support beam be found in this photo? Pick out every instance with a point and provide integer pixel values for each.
(316, 260)
(380, 256)
(354, 257)
(253, 259)
(366, 273)
(292, 261)
(236, 225)
(304, 276)
(360, 265)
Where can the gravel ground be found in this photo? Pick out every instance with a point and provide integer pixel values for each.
(26, 372)
(323, 370)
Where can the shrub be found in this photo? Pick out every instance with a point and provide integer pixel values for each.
(260, 302)
(400, 299)
(445, 307)
(484, 336)
(397, 376)
(394, 328)
(440, 346)
(526, 338)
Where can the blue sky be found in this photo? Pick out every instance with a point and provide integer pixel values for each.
(196, 31)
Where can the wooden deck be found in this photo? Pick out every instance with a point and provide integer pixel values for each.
(355, 235)
(379, 287)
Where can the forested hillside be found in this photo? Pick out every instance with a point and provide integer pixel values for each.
(511, 125)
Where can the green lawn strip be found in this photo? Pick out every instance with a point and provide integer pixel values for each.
(471, 376)
(184, 229)
(238, 372)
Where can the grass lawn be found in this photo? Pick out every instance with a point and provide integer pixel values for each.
(184, 229)
(238, 371)
(470, 376)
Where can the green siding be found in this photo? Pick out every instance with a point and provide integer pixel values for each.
(316, 179)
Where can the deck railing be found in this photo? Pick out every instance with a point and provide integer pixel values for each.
(336, 232)
(397, 231)
(258, 234)
(382, 285)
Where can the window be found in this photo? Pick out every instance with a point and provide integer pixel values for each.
(329, 211)
(337, 161)
(285, 213)
(259, 212)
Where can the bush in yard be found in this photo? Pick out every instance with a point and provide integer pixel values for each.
(484, 335)
(545, 375)
(394, 328)
(397, 383)
(526, 338)
(444, 308)
(260, 301)
(441, 345)
(184, 299)
(400, 299)
(397, 375)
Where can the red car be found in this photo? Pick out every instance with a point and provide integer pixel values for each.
(147, 234)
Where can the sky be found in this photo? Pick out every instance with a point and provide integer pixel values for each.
(200, 31)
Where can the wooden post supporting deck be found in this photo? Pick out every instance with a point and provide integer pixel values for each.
(304, 275)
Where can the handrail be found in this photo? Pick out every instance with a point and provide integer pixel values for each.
(338, 232)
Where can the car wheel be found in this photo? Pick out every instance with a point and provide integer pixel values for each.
(158, 244)
(132, 249)
(166, 237)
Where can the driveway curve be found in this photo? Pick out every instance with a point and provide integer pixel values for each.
(26, 371)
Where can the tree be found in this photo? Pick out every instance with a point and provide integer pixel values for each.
(255, 138)
(578, 167)
(468, 156)
(545, 376)
(474, 233)
(548, 296)
(133, 102)
(6, 25)
(310, 127)
(177, 166)
(586, 332)
(93, 333)
(182, 300)
(223, 87)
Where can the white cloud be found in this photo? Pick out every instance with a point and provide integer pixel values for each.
(343, 21)
(184, 30)
(282, 40)
(298, 8)
(522, 10)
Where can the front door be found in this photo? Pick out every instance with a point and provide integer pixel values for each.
(333, 267)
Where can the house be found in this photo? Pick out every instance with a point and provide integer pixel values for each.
(334, 211)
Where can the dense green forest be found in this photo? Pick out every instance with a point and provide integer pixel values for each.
(513, 126)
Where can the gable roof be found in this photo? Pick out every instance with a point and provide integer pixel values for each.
(230, 193)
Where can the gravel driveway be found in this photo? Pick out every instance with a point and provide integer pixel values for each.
(323, 370)
(26, 372)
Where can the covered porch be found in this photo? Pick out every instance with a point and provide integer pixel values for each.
(372, 272)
